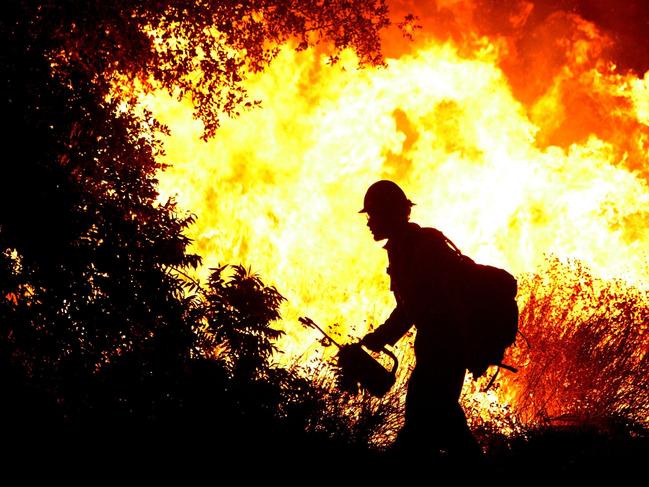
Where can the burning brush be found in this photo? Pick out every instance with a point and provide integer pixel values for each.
(357, 369)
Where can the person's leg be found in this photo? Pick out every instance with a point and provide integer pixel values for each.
(434, 419)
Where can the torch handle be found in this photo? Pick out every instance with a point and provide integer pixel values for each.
(309, 322)
(393, 357)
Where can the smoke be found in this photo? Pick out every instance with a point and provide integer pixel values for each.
(523, 23)
(571, 63)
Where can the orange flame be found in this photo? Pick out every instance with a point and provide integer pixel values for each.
(512, 159)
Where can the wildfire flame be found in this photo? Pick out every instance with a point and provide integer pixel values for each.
(511, 169)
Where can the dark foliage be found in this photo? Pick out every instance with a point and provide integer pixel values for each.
(97, 333)
(202, 49)
(86, 250)
(262, 408)
(236, 315)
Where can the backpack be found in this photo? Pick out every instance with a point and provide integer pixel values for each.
(491, 312)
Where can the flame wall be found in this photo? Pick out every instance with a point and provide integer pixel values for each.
(518, 131)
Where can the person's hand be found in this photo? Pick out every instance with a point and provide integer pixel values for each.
(372, 342)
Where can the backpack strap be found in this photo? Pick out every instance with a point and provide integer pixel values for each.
(450, 243)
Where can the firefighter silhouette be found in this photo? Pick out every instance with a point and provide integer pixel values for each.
(424, 283)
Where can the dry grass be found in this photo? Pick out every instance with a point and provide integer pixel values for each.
(587, 362)
(586, 365)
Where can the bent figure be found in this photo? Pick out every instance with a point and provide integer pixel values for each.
(424, 282)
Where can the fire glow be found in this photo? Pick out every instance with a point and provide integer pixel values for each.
(279, 187)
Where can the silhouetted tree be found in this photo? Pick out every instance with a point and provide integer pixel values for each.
(93, 312)
(87, 252)
(201, 48)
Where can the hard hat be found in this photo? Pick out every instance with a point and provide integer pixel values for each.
(384, 196)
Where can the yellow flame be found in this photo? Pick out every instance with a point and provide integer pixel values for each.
(279, 188)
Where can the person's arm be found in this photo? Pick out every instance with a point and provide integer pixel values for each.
(390, 331)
